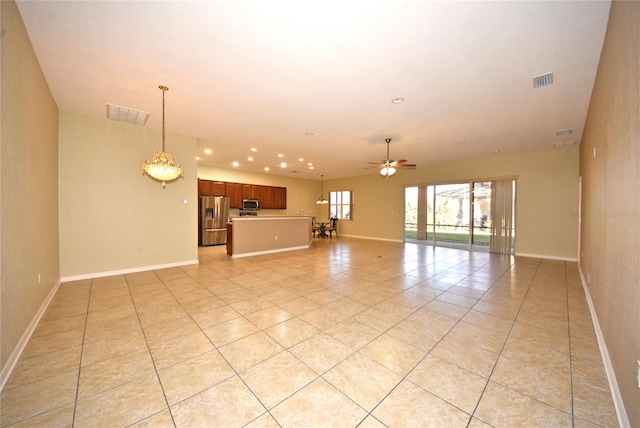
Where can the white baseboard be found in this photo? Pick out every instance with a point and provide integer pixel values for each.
(125, 271)
(547, 257)
(22, 343)
(623, 419)
(373, 238)
(277, 250)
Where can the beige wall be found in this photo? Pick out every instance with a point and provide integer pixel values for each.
(547, 198)
(28, 184)
(610, 235)
(111, 216)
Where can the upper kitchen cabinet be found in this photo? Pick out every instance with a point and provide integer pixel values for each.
(234, 193)
(205, 187)
(251, 191)
(267, 197)
(219, 188)
(280, 198)
(270, 197)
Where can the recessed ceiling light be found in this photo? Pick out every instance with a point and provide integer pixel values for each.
(397, 100)
(311, 167)
(280, 155)
(564, 132)
(235, 164)
(207, 151)
(310, 164)
(197, 157)
(309, 134)
(460, 143)
(301, 159)
(496, 151)
(249, 158)
(283, 165)
(266, 168)
(253, 149)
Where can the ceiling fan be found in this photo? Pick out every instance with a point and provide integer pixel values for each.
(388, 166)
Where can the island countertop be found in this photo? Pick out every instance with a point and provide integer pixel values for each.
(267, 217)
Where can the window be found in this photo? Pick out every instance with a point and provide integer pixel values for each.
(341, 204)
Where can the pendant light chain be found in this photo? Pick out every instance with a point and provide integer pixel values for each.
(164, 89)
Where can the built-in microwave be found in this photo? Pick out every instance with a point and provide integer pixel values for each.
(250, 204)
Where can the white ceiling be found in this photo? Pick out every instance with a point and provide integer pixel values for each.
(263, 74)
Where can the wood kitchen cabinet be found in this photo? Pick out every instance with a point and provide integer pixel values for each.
(263, 198)
(234, 193)
(280, 198)
(219, 188)
(251, 191)
(270, 197)
(267, 197)
(205, 188)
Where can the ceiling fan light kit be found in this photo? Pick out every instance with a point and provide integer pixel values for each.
(389, 167)
(387, 171)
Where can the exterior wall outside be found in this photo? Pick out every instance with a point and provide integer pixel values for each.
(29, 242)
(610, 226)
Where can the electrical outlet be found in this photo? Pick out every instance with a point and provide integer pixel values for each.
(38, 278)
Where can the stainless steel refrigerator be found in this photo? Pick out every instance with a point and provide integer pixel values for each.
(214, 215)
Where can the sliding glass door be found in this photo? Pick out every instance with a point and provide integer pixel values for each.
(458, 215)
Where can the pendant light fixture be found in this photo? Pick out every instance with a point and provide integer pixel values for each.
(161, 167)
(321, 199)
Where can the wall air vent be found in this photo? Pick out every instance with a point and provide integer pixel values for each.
(125, 114)
(543, 80)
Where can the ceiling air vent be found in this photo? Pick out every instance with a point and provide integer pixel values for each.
(125, 114)
(543, 80)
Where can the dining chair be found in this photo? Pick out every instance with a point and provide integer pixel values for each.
(314, 226)
(333, 227)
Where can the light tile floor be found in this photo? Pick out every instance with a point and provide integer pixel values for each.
(348, 333)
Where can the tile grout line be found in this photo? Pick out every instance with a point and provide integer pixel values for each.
(84, 332)
(515, 318)
(146, 342)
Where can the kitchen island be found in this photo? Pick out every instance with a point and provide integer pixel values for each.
(252, 236)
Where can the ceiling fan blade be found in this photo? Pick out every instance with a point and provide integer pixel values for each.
(390, 163)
